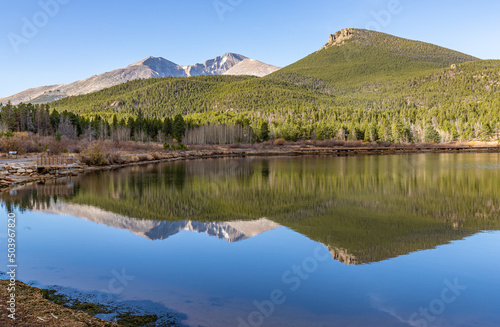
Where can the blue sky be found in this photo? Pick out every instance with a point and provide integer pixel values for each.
(82, 38)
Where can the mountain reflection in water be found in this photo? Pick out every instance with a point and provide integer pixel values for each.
(364, 209)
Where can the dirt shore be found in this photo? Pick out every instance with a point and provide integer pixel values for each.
(18, 171)
(32, 310)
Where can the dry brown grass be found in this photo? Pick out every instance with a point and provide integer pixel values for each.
(328, 143)
(279, 142)
(131, 146)
(237, 146)
(107, 152)
(404, 145)
(202, 147)
(354, 144)
(383, 144)
(301, 143)
(110, 151)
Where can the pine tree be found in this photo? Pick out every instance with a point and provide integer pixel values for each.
(115, 121)
(167, 127)
(264, 131)
(431, 135)
(179, 128)
(55, 119)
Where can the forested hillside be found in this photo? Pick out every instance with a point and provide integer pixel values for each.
(355, 58)
(361, 85)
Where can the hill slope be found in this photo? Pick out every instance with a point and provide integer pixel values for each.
(361, 85)
(201, 94)
(354, 57)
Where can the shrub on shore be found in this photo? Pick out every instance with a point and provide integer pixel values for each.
(94, 155)
(279, 142)
(20, 142)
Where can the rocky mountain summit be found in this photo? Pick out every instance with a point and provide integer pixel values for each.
(340, 37)
(217, 66)
(151, 67)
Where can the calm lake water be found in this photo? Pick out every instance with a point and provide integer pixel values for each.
(410, 240)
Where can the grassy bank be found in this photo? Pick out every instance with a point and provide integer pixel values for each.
(34, 309)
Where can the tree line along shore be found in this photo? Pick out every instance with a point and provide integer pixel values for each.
(27, 128)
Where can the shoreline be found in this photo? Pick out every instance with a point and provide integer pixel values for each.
(17, 173)
(33, 309)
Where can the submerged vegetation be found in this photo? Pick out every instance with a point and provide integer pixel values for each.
(90, 308)
(129, 320)
(126, 319)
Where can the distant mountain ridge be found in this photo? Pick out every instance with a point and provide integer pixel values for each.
(230, 231)
(151, 67)
(217, 66)
(251, 67)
